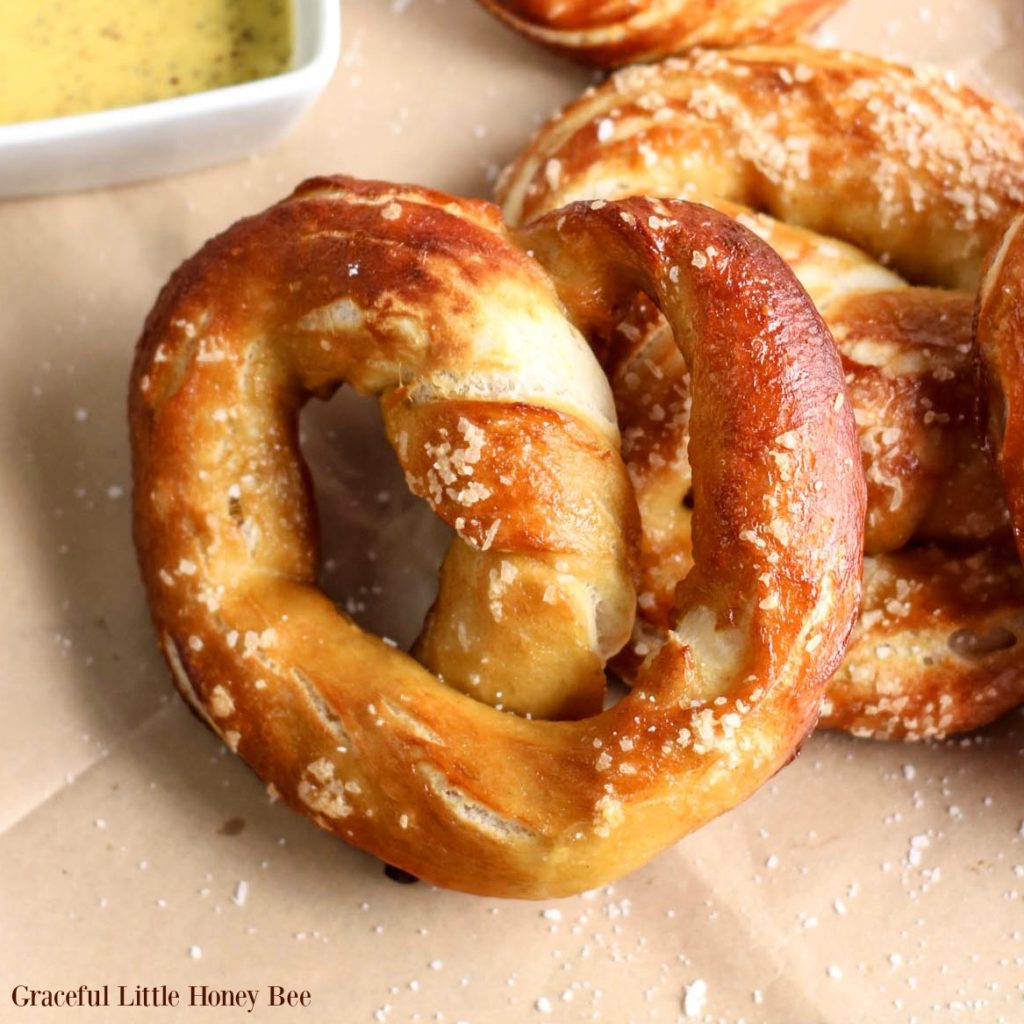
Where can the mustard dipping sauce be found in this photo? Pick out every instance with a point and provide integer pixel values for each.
(62, 57)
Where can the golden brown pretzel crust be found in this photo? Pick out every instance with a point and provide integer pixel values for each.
(419, 297)
(937, 649)
(913, 168)
(1000, 319)
(609, 33)
(910, 366)
(891, 159)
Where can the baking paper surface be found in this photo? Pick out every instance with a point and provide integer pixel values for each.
(868, 882)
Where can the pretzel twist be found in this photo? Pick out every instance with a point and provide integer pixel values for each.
(420, 298)
(913, 169)
(613, 32)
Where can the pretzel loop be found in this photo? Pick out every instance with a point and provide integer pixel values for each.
(415, 295)
(769, 421)
(613, 32)
(1000, 318)
(923, 174)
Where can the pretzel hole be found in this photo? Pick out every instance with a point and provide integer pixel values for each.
(616, 688)
(380, 545)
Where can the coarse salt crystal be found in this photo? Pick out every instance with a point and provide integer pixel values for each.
(695, 998)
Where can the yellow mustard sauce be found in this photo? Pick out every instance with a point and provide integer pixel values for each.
(62, 57)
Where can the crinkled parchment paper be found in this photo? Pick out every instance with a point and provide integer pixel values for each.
(866, 883)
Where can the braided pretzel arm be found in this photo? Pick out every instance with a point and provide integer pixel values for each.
(939, 652)
(935, 648)
(357, 735)
(599, 255)
(613, 32)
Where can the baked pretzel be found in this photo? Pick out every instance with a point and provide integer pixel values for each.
(1000, 318)
(613, 32)
(913, 169)
(420, 298)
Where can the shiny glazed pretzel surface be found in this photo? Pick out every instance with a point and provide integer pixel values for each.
(613, 32)
(908, 167)
(503, 422)
(1001, 343)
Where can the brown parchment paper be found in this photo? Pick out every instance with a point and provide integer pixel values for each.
(866, 883)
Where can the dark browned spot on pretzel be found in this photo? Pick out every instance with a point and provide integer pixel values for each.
(969, 644)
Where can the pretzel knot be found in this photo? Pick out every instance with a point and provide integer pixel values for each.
(849, 163)
(502, 420)
(613, 32)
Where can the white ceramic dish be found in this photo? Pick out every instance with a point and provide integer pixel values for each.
(180, 134)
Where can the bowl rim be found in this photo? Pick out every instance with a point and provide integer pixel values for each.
(321, 19)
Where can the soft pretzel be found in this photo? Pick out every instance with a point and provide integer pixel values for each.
(613, 32)
(420, 298)
(897, 161)
(922, 175)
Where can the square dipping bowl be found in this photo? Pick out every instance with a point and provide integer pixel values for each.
(152, 140)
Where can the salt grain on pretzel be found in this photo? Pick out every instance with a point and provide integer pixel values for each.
(921, 173)
(613, 32)
(421, 299)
